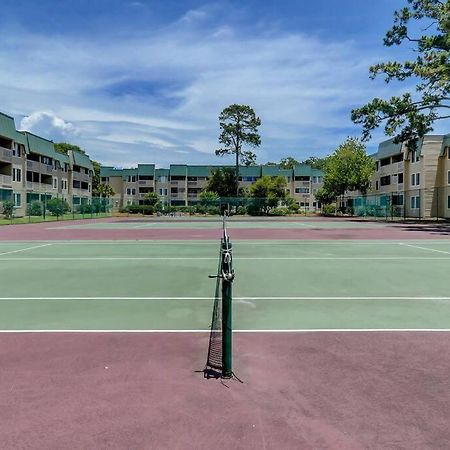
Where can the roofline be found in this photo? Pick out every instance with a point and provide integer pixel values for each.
(35, 135)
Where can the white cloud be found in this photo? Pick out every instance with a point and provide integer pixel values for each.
(47, 124)
(302, 88)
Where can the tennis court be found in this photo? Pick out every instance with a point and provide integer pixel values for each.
(341, 334)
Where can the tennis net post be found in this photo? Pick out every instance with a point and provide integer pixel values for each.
(227, 296)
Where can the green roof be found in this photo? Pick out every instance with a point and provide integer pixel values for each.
(82, 160)
(21, 138)
(7, 126)
(62, 158)
(275, 171)
(162, 172)
(146, 169)
(39, 145)
(199, 171)
(178, 170)
(250, 171)
(128, 172)
(304, 170)
(109, 171)
(388, 148)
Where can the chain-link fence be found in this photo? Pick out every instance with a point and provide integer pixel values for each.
(409, 204)
(38, 207)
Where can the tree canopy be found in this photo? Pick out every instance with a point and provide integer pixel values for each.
(423, 25)
(64, 147)
(239, 126)
(222, 181)
(349, 168)
(315, 162)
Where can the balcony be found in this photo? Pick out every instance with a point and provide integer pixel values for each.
(5, 180)
(192, 183)
(174, 183)
(192, 196)
(33, 166)
(5, 154)
(145, 183)
(81, 177)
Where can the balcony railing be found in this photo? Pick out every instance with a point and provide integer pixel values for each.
(5, 180)
(5, 154)
(192, 195)
(174, 183)
(81, 176)
(145, 182)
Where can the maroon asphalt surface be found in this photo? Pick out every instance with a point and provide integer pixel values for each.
(301, 391)
(59, 231)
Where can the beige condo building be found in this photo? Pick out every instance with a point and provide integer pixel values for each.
(32, 170)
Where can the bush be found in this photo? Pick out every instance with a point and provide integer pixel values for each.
(241, 210)
(139, 209)
(57, 207)
(34, 209)
(8, 209)
(279, 211)
(328, 210)
(294, 208)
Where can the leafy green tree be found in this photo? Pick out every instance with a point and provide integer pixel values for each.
(324, 197)
(64, 147)
(8, 209)
(349, 168)
(151, 199)
(288, 163)
(208, 197)
(103, 190)
(267, 192)
(410, 116)
(57, 206)
(315, 162)
(222, 181)
(239, 125)
(97, 181)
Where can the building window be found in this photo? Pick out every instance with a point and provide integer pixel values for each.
(55, 183)
(131, 191)
(46, 160)
(385, 162)
(162, 179)
(397, 158)
(17, 174)
(163, 191)
(377, 185)
(415, 202)
(397, 199)
(89, 188)
(415, 156)
(385, 181)
(400, 178)
(448, 201)
(448, 177)
(448, 152)
(16, 150)
(17, 200)
(377, 166)
(415, 179)
(302, 190)
(105, 179)
(131, 178)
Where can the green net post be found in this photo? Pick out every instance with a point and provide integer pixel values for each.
(227, 316)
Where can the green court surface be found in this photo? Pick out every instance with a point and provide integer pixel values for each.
(280, 285)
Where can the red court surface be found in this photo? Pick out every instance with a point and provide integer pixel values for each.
(300, 391)
(62, 231)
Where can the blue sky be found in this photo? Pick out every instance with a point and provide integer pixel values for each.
(144, 80)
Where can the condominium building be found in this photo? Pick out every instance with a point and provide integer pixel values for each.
(417, 182)
(32, 170)
(181, 184)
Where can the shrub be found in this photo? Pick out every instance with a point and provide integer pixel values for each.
(279, 211)
(34, 209)
(241, 210)
(329, 210)
(8, 209)
(57, 207)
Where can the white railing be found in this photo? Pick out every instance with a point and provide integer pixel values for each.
(5, 154)
(5, 179)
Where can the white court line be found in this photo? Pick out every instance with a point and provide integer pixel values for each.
(25, 249)
(300, 330)
(239, 258)
(423, 248)
(234, 298)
